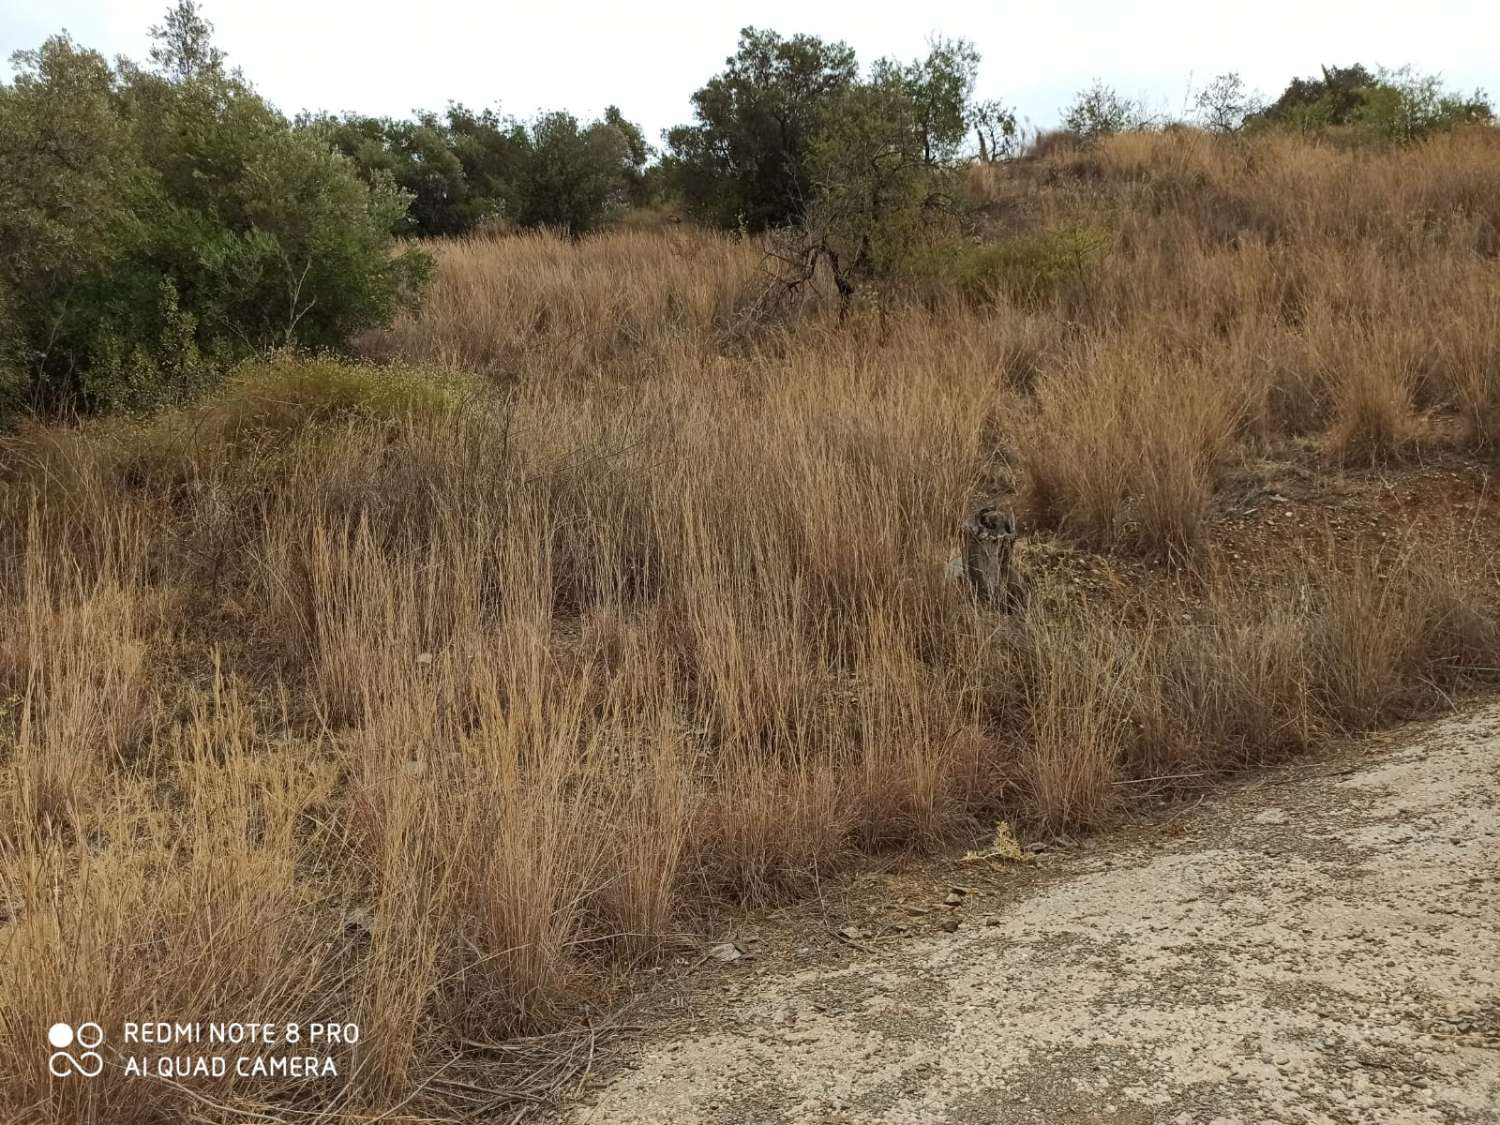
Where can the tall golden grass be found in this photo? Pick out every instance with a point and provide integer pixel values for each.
(432, 695)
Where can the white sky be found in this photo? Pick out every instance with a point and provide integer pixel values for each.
(389, 57)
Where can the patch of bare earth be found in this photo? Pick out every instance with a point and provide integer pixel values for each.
(1322, 945)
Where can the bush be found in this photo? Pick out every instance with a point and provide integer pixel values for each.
(1405, 106)
(1308, 103)
(158, 223)
(1225, 103)
(1101, 111)
(1025, 270)
(1395, 105)
(289, 393)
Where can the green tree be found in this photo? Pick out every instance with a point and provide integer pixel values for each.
(1101, 111)
(492, 151)
(182, 44)
(1226, 103)
(160, 221)
(417, 156)
(576, 176)
(873, 180)
(1397, 105)
(747, 157)
(994, 124)
(638, 154)
(74, 194)
(883, 156)
(883, 163)
(429, 169)
(939, 89)
(470, 167)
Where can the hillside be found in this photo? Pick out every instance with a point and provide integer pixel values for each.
(443, 689)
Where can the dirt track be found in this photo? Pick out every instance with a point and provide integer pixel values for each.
(1321, 946)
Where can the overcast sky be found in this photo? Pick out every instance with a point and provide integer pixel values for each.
(388, 57)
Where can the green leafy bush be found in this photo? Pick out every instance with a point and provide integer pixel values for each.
(1101, 111)
(1394, 105)
(158, 223)
(1403, 105)
(1025, 270)
(288, 392)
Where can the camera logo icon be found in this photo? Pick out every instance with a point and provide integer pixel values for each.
(86, 1062)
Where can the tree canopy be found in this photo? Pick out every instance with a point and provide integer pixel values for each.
(791, 122)
(1395, 104)
(158, 219)
(746, 159)
(466, 167)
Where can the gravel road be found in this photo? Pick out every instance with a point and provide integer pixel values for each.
(1320, 946)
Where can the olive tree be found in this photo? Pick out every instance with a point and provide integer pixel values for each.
(746, 160)
(1101, 111)
(1225, 103)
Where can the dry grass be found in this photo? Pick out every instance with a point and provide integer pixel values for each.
(628, 303)
(434, 701)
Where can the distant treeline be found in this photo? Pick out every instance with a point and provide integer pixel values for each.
(464, 167)
(765, 130)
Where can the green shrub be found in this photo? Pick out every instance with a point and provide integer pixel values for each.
(1025, 270)
(1405, 106)
(269, 400)
(1392, 105)
(159, 223)
(1101, 111)
(139, 369)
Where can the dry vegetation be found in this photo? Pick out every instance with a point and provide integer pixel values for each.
(434, 695)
